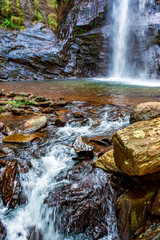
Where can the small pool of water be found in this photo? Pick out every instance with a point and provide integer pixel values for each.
(97, 90)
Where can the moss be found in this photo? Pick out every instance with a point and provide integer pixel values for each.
(6, 8)
(11, 21)
(37, 16)
(14, 22)
(52, 22)
(79, 30)
(17, 21)
(52, 4)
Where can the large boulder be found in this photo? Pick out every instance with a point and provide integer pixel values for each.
(136, 148)
(145, 111)
(131, 211)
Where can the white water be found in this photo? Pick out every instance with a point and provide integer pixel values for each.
(120, 26)
(40, 180)
(142, 82)
(130, 17)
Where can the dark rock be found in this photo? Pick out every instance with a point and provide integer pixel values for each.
(34, 234)
(131, 211)
(83, 149)
(99, 231)
(81, 202)
(1, 126)
(18, 197)
(12, 191)
(60, 123)
(39, 98)
(78, 115)
(3, 232)
(2, 93)
(48, 110)
(11, 94)
(155, 207)
(45, 103)
(8, 181)
(101, 140)
(61, 117)
(58, 104)
(2, 154)
(17, 111)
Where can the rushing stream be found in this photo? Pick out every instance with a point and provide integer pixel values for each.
(41, 180)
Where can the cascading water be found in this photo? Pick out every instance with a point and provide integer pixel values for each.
(120, 33)
(130, 23)
(41, 179)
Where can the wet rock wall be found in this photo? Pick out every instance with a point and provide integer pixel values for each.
(61, 39)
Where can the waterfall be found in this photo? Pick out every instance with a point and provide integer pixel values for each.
(120, 32)
(130, 23)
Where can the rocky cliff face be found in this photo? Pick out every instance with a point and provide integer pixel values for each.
(49, 39)
(63, 39)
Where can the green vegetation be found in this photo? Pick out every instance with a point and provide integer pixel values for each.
(18, 103)
(52, 4)
(51, 21)
(157, 39)
(79, 30)
(6, 8)
(38, 16)
(60, 2)
(11, 21)
(2, 109)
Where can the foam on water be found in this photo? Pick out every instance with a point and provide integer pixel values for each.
(130, 81)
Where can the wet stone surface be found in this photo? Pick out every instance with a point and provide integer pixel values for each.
(82, 202)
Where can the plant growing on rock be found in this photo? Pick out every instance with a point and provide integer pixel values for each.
(52, 22)
(38, 16)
